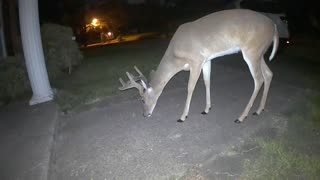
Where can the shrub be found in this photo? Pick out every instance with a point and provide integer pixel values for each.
(61, 52)
(13, 79)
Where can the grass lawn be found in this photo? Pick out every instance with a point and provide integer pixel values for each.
(280, 160)
(98, 76)
(294, 154)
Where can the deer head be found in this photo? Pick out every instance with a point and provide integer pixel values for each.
(146, 92)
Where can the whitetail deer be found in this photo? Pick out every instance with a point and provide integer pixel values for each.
(196, 43)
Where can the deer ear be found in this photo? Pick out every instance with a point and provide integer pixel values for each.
(152, 73)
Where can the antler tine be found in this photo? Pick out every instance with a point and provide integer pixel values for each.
(131, 78)
(140, 74)
(130, 84)
(121, 81)
(136, 68)
(124, 85)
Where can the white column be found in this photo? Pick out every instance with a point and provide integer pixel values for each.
(2, 38)
(33, 52)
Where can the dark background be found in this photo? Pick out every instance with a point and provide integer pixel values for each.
(129, 16)
(302, 15)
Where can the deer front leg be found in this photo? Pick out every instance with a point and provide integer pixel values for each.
(206, 71)
(193, 78)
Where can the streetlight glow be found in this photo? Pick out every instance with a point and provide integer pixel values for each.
(94, 22)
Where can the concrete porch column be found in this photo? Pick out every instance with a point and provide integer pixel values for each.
(33, 52)
(3, 49)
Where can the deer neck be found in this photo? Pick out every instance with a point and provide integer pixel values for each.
(165, 71)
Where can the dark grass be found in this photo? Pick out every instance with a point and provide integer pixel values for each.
(278, 160)
(98, 76)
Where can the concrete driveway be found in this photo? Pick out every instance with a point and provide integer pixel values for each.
(112, 140)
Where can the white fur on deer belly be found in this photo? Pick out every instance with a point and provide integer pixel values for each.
(209, 56)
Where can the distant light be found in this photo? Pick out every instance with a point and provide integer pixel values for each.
(94, 22)
(288, 42)
(109, 33)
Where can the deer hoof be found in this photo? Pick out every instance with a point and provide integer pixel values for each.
(204, 113)
(237, 121)
(180, 120)
(256, 113)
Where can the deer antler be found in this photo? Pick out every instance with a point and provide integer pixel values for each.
(132, 83)
(141, 76)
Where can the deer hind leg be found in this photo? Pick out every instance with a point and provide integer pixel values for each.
(193, 78)
(267, 76)
(255, 69)
(206, 71)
